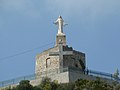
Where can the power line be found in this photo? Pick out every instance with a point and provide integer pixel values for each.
(24, 52)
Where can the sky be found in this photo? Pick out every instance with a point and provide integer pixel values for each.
(27, 29)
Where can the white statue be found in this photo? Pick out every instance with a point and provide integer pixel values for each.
(60, 23)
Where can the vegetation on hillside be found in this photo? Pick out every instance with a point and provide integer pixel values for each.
(80, 84)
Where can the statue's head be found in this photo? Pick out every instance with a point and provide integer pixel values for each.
(60, 17)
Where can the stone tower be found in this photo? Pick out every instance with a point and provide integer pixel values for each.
(57, 62)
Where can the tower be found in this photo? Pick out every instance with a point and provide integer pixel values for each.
(58, 62)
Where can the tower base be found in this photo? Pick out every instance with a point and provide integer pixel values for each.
(62, 38)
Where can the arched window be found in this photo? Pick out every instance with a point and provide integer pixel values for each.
(48, 62)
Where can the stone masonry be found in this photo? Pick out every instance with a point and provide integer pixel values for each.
(61, 56)
(46, 62)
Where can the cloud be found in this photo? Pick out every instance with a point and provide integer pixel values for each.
(24, 7)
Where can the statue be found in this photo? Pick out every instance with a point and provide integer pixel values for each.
(60, 23)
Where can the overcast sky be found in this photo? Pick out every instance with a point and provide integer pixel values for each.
(93, 28)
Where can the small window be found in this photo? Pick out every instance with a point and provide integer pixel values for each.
(48, 63)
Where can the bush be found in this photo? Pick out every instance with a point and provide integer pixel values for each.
(24, 85)
(80, 84)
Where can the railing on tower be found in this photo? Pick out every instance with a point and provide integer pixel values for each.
(52, 72)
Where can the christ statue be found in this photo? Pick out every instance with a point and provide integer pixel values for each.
(60, 23)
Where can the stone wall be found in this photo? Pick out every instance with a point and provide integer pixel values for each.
(75, 75)
(44, 62)
(68, 75)
(76, 60)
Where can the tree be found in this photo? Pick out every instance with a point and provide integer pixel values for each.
(47, 86)
(116, 75)
(117, 87)
(54, 85)
(8, 88)
(45, 81)
(24, 85)
(37, 88)
(82, 84)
